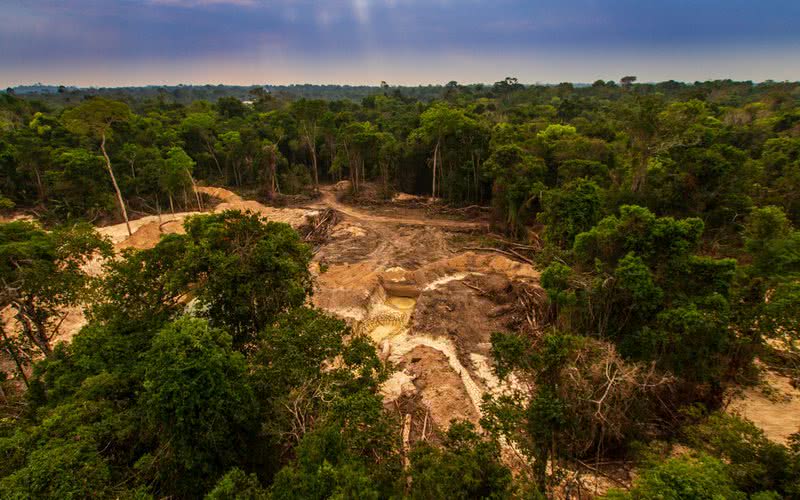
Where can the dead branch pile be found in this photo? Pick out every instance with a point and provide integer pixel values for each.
(318, 228)
(523, 306)
(512, 249)
(609, 397)
(513, 254)
(534, 305)
(469, 212)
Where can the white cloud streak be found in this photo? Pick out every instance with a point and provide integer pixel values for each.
(203, 3)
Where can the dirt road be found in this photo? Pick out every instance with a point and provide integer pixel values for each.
(328, 199)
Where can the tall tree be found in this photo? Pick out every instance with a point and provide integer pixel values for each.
(177, 174)
(94, 119)
(42, 274)
(201, 126)
(442, 125)
(309, 113)
(272, 153)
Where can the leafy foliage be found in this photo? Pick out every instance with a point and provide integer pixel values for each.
(667, 214)
(466, 466)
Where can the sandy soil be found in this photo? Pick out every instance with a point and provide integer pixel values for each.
(148, 230)
(328, 199)
(401, 282)
(774, 406)
(398, 280)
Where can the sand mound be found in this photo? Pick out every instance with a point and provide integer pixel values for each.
(218, 192)
(439, 385)
(118, 233)
(408, 197)
(475, 262)
(148, 230)
(148, 235)
(295, 217)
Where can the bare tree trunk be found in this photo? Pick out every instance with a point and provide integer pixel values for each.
(332, 153)
(407, 441)
(476, 159)
(210, 150)
(435, 159)
(39, 184)
(271, 174)
(196, 193)
(314, 164)
(34, 330)
(310, 139)
(12, 352)
(116, 186)
(171, 207)
(351, 167)
(236, 175)
(441, 173)
(133, 174)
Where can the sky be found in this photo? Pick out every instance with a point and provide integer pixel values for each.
(402, 42)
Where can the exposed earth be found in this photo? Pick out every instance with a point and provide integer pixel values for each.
(429, 305)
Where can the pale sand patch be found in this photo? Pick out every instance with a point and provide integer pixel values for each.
(776, 413)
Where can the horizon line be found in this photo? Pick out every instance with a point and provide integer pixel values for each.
(378, 85)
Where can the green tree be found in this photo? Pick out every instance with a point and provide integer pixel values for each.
(201, 126)
(60, 470)
(238, 485)
(518, 178)
(570, 210)
(467, 466)
(661, 301)
(309, 113)
(441, 126)
(754, 462)
(684, 478)
(42, 274)
(94, 119)
(176, 174)
(248, 270)
(75, 190)
(197, 400)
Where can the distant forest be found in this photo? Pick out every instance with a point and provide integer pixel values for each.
(185, 94)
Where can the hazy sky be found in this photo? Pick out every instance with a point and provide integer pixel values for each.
(134, 42)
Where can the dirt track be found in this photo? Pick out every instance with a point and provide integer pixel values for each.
(328, 199)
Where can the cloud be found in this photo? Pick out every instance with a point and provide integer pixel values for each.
(203, 3)
(361, 11)
(41, 33)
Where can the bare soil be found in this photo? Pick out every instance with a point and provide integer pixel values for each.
(398, 277)
(774, 406)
